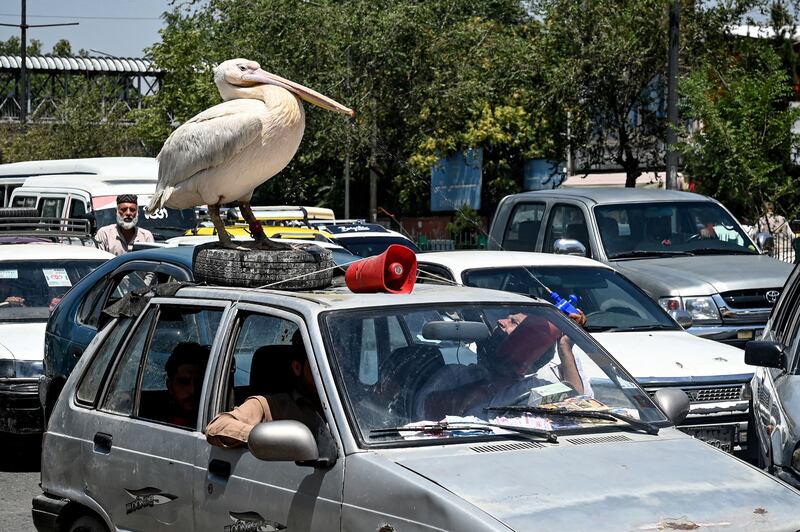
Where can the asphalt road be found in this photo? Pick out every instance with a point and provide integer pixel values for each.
(19, 482)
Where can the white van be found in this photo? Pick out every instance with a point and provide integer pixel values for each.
(71, 188)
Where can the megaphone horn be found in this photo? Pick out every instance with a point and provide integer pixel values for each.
(393, 271)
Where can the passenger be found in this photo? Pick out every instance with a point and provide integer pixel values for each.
(508, 362)
(119, 238)
(231, 429)
(185, 369)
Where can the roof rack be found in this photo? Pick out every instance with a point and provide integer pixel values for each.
(64, 230)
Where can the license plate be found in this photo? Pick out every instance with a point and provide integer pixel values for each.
(720, 436)
(746, 334)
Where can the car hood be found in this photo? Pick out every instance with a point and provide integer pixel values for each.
(680, 484)
(660, 355)
(22, 341)
(704, 275)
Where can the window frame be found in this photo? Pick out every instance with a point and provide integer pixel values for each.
(547, 245)
(516, 209)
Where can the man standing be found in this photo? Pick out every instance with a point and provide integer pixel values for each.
(119, 238)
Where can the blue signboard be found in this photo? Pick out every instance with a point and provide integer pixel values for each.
(542, 174)
(456, 181)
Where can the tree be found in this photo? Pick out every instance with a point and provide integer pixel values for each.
(742, 148)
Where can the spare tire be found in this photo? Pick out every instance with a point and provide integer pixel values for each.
(19, 212)
(305, 267)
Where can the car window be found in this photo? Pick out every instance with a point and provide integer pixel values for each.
(696, 227)
(785, 310)
(434, 274)
(523, 227)
(122, 387)
(24, 201)
(52, 207)
(77, 207)
(262, 356)
(566, 221)
(107, 293)
(175, 363)
(93, 377)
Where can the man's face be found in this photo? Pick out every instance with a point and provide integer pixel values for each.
(507, 325)
(127, 215)
(185, 386)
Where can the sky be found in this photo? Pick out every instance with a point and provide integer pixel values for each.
(121, 28)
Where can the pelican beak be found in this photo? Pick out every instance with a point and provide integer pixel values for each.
(309, 95)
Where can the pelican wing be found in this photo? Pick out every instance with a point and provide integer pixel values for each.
(208, 139)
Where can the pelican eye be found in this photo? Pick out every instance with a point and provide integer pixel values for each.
(242, 68)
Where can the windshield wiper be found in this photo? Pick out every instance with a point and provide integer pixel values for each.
(718, 251)
(651, 327)
(642, 253)
(436, 428)
(649, 428)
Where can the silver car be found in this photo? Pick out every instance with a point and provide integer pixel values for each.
(431, 418)
(776, 387)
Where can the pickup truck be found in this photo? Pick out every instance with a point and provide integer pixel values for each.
(684, 249)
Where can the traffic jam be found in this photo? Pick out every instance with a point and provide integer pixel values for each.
(617, 359)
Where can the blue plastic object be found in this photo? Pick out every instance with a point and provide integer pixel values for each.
(567, 306)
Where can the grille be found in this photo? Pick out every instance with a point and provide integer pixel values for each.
(516, 446)
(749, 298)
(598, 439)
(763, 396)
(711, 394)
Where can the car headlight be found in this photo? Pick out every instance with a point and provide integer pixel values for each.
(7, 369)
(700, 308)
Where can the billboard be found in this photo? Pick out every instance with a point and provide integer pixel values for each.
(456, 180)
(542, 174)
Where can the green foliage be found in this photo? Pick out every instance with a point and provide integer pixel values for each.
(740, 152)
(465, 222)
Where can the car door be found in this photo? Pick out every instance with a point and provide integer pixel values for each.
(566, 221)
(235, 490)
(138, 458)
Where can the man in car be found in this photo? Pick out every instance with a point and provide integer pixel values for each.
(231, 429)
(119, 238)
(185, 369)
(514, 359)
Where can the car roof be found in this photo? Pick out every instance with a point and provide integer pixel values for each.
(182, 255)
(341, 298)
(614, 194)
(51, 250)
(458, 261)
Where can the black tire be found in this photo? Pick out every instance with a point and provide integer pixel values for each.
(87, 523)
(19, 212)
(306, 267)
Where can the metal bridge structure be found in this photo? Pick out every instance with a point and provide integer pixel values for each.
(121, 83)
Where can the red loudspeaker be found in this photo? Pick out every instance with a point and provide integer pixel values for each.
(393, 271)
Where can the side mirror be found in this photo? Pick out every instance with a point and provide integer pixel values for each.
(568, 246)
(764, 354)
(765, 242)
(282, 441)
(674, 402)
(683, 318)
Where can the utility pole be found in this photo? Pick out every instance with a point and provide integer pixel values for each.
(348, 146)
(672, 96)
(373, 160)
(23, 67)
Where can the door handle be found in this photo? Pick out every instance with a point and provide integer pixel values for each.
(219, 468)
(102, 443)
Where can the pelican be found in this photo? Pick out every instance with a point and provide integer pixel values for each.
(223, 153)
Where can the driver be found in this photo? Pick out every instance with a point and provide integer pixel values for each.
(509, 364)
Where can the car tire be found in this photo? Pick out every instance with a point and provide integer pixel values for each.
(19, 212)
(88, 523)
(304, 267)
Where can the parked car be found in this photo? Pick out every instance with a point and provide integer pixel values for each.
(74, 323)
(35, 273)
(71, 188)
(776, 387)
(362, 238)
(630, 325)
(685, 250)
(613, 461)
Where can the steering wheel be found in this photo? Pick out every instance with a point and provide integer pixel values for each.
(695, 236)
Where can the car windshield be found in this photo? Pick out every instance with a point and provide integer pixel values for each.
(633, 230)
(369, 246)
(609, 301)
(30, 289)
(476, 369)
